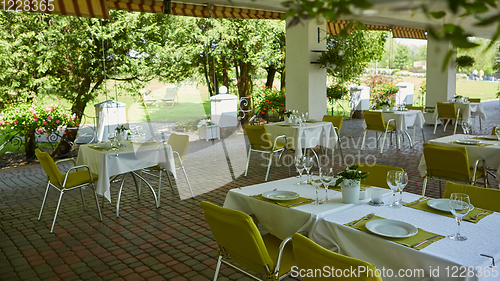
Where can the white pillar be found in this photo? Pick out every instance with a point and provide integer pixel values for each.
(441, 85)
(305, 82)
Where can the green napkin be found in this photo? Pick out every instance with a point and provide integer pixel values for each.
(408, 241)
(478, 144)
(288, 203)
(422, 205)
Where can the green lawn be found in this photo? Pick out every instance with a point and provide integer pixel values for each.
(485, 90)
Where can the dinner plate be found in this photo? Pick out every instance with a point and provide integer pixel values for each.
(468, 141)
(280, 195)
(103, 145)
(442, 205)
(391, 228)
(490, 137)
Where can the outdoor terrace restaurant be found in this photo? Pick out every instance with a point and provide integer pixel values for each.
(379, 174)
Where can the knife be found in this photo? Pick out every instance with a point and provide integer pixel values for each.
(425, 241)
(298, 203)
(418, 201)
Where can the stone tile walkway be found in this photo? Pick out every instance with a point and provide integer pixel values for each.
(145, 243)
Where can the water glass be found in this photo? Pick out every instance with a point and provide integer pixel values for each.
(467, 127)
(327, 176)
(316, 182)
(299, 165)
(403, 181)
(393, 179)
(308, 164)
(459, 207)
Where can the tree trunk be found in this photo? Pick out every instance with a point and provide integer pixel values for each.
(207, 79)
(30, 145)
(271, 72)
(283, 80)
(225, 78)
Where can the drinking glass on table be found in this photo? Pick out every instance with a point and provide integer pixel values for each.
(467, 126)
(316, 182)
(299, 165)
(393, 179)
(403, 181)
(326, 175)
(459, 207)
(308, 164)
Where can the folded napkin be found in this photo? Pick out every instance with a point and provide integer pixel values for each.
(477, 144)
(422, 205)
(408, 241)
(288, 203)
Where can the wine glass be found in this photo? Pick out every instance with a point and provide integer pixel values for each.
(326, 175)
(308, 164)
(403, 181)
(393, 178)
(299, 165)
(316, 182)
(497, 132)
(459, 207)
(466, 126)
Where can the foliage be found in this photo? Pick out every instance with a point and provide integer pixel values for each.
(351, 173)
(27, 117)
(423, 88)
(402, 57)
(288, 113)
(269, 100)
(121, 128)
(343, 60)
(337, 92)
(384, 94)
(464, 61)
(205, 122)
(384, 102)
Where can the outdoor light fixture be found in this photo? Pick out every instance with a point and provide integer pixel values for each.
(223, 90)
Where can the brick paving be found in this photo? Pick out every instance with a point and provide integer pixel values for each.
(145, 243)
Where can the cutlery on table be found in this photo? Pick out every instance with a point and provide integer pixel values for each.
(416, 202)
(369, 217)
(477, 216)
(299, 203)
(425, 241)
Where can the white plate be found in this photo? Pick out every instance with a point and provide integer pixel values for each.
(442, 205)
(468, 141)
(391, 228)
(103, 145)
(490, 137)
(281, 195)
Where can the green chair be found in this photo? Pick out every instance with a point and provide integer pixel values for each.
(447, 110)
(72, 179)
(337, 125)
(375, 122)
(485, 198)
(311, 256)
(239, 239)
(378, 174)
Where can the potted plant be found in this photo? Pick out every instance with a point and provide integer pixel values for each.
(349, 181)
(458, 98)
(208, 130)
(120, 135)
(287, 114)
(385, 105)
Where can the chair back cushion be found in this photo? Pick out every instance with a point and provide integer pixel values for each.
(336, 120)
(411, 107)
(311, 256)
(486, 198)
(447, 162)
(374, 121)
(378, 174)
(446, 110)
(236, 232)
(258, 137)
(474, 100)
(180, 144)
(49, 167)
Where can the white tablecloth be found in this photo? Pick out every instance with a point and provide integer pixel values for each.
(466, 109)
(282, 221)
(384, 254)
(404, 119)
(491, 154)
(307, 136)
(133, 157)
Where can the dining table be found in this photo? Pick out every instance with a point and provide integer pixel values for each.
(106, 161)
(303, 136)
(439, 259)
(484, 147)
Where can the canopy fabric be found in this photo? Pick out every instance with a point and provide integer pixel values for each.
(397, 31)
(79, 8)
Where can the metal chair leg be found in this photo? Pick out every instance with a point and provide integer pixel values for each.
(44, 198)
(83, 199)
(383, 143)
(187, 180)
(97, 202)
(269, 165)
(219, 262)
(363, 143)
(424, 186)
(435, 125)
(57, 211)
(248, 160)
(170, 181)
(159, 190)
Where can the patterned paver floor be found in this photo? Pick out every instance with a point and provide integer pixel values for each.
(145, 243)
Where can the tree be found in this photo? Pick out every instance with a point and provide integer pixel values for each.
(347, 57)
(402, 57)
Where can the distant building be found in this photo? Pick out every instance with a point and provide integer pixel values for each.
(421, 64)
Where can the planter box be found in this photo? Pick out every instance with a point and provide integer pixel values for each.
(209, 132)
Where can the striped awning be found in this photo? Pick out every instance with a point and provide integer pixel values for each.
(397, 31)
(78, 8)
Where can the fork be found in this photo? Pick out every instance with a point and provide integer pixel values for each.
(369, 217)
(477, 216)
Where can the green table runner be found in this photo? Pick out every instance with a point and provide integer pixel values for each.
(288, 203)
(408, 241)
(478, 144)
(422, 205)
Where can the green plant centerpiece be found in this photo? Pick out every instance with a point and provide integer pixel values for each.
(349, 181)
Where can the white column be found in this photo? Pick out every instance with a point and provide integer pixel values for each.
(305, 82)
(441, 85)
